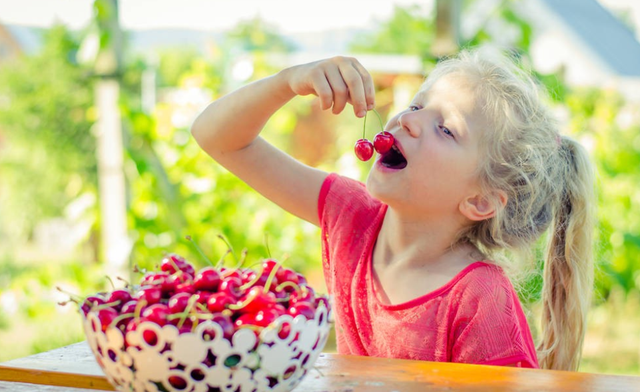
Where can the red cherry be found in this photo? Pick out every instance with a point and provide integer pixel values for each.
(256, 300)
(119, 296)
(245, 319)
(207, 279)
(364, 149)
(225, 323)
(129, 307)
(172, 263)
(219, 301)
(178, 302)
(106, 317)
(90, 302)
(287, 275)
(383, 142)
(306, 293)
(231, 285)
(304, 308)
(150, 294)
(157, 313)
(266, 316)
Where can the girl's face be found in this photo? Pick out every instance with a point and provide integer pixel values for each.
(432, 167)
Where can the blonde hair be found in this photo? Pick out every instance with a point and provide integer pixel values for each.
(549, 182)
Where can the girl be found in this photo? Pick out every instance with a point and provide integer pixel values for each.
(412, 259)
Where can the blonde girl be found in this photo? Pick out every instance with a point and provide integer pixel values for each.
(415, 259)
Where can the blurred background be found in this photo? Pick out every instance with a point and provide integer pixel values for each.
(98, 170)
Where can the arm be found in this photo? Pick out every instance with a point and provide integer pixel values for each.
(228, 129)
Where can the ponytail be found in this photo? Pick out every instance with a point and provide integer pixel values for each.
(569, 267)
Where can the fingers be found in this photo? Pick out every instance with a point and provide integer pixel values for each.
(349, 82)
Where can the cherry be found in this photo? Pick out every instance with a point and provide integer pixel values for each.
(150, 294)
(207, 279)
(231, 285)
(245, 319)
(266, 316)
(178, 302)
(172, 263)
(90, 302)
(157, 313)
(119, 296)
(286, 275)
(383, 142)
(106, 317)
(364, 149)
(225, 324)
(129, 307)
(177, 382)
(305, 293)
(304, 308)
(186, 287)
(255, 300)
(218, 302)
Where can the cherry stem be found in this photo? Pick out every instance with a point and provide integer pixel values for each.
(120, 318)
(113, 286)
(192, 301)
(221, 261)
(126, 283)
(379, 119)
(106, 305)
(73, 297)
(243, 258)
(137, 269)
(252, 281)
(289, 284)
(241, 304)
(364, 126)
(266, 244)
(272, 275)
(138, 310)
(228, 246)
(198, 249)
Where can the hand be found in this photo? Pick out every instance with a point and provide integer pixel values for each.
(336, 81)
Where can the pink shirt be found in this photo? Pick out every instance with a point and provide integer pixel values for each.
(475, 318)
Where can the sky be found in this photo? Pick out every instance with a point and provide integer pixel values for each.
(289, 15)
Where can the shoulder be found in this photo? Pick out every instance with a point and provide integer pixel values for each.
(485, 283)
(345, 198)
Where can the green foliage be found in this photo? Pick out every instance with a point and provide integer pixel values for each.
(409, 31)
(45, 103)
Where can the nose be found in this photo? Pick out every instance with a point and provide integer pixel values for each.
(408, 122)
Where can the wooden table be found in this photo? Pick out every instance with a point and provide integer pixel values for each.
(73, 368)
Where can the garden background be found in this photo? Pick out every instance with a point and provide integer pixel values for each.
(52, 228)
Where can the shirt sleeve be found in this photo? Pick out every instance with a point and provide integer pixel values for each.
(490, 327)
(345, 212)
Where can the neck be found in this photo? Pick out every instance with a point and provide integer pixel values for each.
(419, 243)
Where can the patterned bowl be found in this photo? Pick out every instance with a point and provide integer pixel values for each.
(153, 358)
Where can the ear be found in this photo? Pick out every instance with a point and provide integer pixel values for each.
(478, 208)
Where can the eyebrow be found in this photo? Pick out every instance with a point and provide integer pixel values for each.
(460, 128)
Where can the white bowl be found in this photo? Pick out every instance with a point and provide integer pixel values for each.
(190, 362)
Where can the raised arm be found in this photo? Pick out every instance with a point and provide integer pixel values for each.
(228, 128)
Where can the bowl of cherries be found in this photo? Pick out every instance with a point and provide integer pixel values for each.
(212, 329)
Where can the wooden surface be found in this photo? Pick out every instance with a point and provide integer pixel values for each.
(72, 367)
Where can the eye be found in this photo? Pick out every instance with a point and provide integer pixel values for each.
(446, 131)
(414, 108)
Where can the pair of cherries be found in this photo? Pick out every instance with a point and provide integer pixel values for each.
(382, 142)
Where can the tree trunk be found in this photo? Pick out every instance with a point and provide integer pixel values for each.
(115, 243)
(447, 28)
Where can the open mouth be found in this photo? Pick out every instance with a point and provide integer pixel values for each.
(394, 159)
